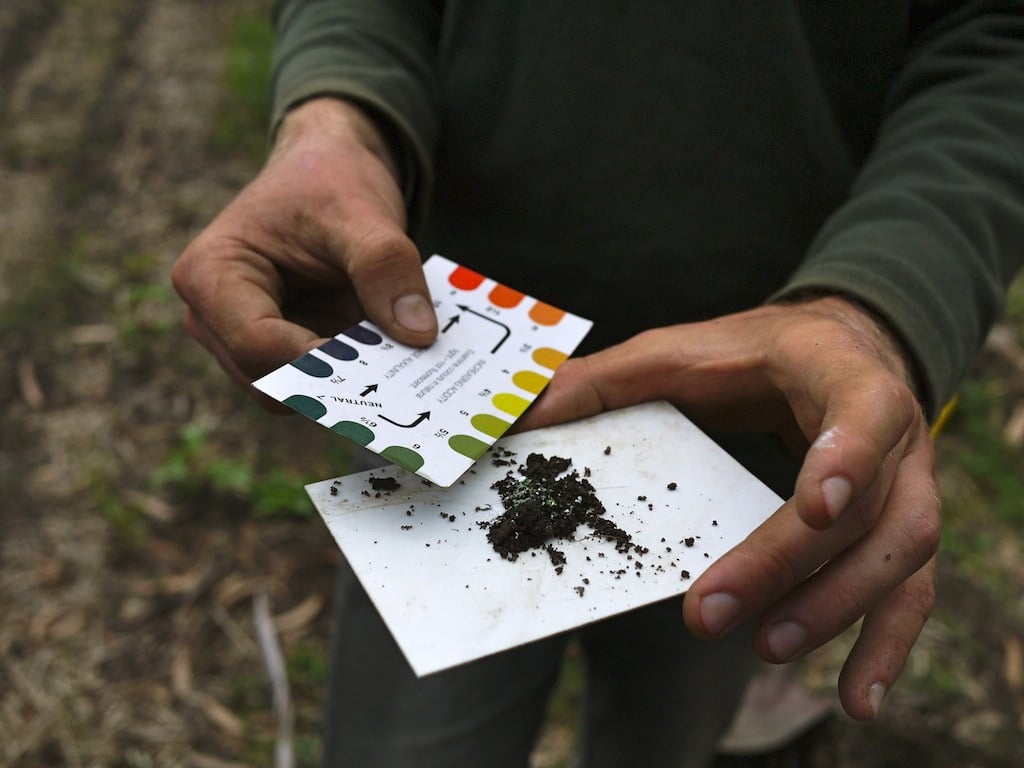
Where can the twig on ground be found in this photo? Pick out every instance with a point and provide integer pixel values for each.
(28, 382)
(284, 756)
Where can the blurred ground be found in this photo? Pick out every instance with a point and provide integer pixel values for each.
(145, 504)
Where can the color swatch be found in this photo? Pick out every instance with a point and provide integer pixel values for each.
(435, 411)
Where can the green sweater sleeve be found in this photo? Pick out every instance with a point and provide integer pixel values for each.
(378, 54)
(933, 230)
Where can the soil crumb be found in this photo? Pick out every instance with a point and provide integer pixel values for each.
(384, 483)
(545, 501)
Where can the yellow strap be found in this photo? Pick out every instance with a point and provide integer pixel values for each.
(944, 416)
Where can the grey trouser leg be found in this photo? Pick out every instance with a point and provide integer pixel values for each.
(656, 697)
(380, 715)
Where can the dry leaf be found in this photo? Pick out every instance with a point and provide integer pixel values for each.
(151, 506)
(95, 333)
(69, 626)
(233, 588)
(1013, 663)
(201, 760)
(299, 616)
(47, 614)
(28, 382)
(1013, 432)
(181, 671)
(1002, 340)
(218, 714)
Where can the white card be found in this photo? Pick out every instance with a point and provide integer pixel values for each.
(435, 411)
(448, 597)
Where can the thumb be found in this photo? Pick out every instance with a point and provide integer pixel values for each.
(632, 372)
(332, 155)
(387, 275)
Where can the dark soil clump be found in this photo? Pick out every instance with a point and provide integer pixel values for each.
(384, 483)
(544, 503)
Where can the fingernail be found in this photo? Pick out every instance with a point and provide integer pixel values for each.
(414, 313)
(718, 612)
(836, 491)
(785, 639)
(875, 695)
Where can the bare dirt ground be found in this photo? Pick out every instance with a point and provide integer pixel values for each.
(136, 504)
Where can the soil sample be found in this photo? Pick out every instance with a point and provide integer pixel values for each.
(544, 501)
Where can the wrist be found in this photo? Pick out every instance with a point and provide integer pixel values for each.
(871, 327)
(329, 117)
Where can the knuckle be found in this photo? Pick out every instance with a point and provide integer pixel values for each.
(904, 403)
(382, 256)
(923, 529)
(192, 270)
(849, 600)
(891, 395)
(181, 271)
(777, 569)
(865, 511)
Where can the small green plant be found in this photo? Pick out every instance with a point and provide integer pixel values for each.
(195, 465)
(280, 493)
(307, 751)
(993, 466)
(126, 521)
(127, 524)
(1015, 302)
(982, 474)
(307, 665)
(565, 699)
(177, 467)
(145, 312)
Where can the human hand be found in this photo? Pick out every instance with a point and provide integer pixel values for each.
(859, 536)
(312, 245)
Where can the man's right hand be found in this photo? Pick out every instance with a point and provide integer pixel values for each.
(315, 243)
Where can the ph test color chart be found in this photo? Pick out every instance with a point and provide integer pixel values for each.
(435, 411)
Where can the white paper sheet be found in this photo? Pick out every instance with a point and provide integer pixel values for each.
(448, 597)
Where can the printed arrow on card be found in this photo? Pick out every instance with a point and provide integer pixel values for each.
(420, 417)
(508, 331)
(469, 382)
